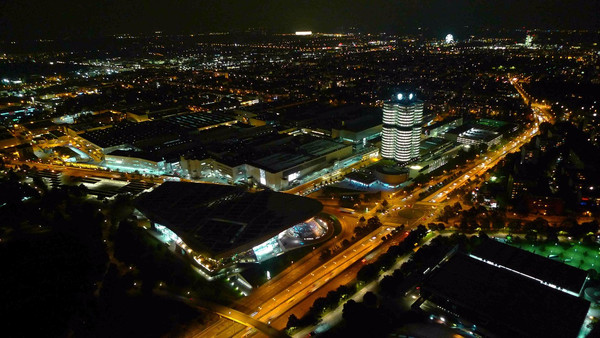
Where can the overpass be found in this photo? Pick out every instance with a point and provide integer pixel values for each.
(229, 313)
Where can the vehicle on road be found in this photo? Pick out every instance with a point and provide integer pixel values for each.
(347, 210)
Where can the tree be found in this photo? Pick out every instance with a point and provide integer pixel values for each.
(39, 182)
(514, 225)
(388, 285)
(457, 207)
(485, 223)
(333, 299)
(367, 273)
(292, 322)
(531, 236)
(370, 299)
(319, 306)
(385, 203)
(344, 290)
(362, 219)
(325, 255)
(374, 223)
(551, 236)
(354, 312)
(497, 221)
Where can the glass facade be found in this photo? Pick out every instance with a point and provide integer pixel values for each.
(401, 134)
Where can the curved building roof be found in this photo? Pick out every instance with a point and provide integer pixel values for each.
(222, 220)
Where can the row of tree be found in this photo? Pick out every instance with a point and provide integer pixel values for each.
(378, 316)
(366, 273)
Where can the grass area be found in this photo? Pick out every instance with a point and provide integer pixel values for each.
(154, 262)
(429, 236)
(578, 255)
(410, 213)
(337, 227)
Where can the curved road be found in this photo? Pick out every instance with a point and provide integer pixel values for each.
(229, 313)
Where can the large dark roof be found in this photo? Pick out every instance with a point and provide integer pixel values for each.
(512, 305)
(222, 220)
(363, 122)
(155, 131)
(553, 272)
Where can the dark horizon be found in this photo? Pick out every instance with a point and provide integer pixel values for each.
(73, 19)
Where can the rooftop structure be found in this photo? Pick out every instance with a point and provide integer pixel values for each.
(433, 146)
(554, 274)
(477, 136)
(156, 132)
(440, 127)
(362, 178)
(503, 301)
(217, 222)
(292, 158)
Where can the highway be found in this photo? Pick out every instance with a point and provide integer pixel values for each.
(485, 163)
(301, 287)
(341, 269)
(228, 313)
(272, 302)
(335, 316)
(480, 166)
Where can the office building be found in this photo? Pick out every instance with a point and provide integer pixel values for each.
(401, 135)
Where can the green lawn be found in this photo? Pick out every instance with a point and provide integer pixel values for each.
(577, 255)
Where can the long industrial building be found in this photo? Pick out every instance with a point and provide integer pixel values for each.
(503, 291)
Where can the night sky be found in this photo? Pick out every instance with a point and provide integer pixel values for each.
(74, 18)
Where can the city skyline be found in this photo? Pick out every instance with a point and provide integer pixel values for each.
(272, 169)
(72, 19)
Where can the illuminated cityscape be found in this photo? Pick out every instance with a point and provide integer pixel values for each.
(299, 169)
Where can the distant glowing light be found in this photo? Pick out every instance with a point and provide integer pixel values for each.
(449, 38)
(410, 96)
(304, 33)
(399, 97)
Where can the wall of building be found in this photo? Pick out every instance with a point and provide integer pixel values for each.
(131, 164)
(357, 137)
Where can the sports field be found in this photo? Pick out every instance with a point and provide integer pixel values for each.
(578, 255)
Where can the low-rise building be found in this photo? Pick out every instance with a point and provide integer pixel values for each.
(219, 226)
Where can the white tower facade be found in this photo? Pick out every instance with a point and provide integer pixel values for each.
(401, 134)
